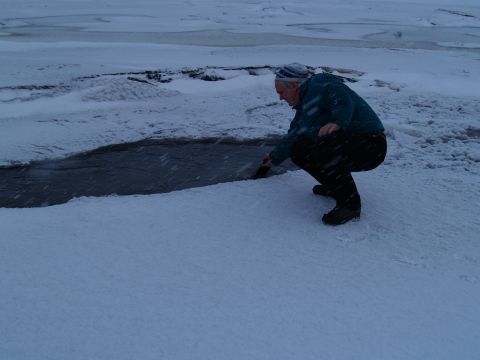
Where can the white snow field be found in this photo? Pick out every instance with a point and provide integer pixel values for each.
(247, 271)
(242, 270)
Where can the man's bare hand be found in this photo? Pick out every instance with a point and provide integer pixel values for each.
(267, 161)
(328, 129)
(264, 168)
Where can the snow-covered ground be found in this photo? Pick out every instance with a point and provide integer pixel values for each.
(246, 269)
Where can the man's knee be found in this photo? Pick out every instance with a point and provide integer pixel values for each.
(301, 150)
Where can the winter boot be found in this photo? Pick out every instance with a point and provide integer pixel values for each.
(322, 190)
(341, 214)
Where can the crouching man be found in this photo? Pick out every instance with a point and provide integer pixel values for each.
(334, 133)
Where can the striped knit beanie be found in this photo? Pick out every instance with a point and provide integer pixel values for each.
(293, 72)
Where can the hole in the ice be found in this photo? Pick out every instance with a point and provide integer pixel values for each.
(145, 167)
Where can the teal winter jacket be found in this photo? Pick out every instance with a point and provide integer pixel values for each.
(324, 98)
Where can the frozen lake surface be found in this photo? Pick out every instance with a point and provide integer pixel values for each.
(86, 28)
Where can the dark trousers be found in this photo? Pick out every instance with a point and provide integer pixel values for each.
(333, 158)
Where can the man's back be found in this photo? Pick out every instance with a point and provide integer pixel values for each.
(325, 98)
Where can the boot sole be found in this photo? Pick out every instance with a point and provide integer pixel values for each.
(343, 221)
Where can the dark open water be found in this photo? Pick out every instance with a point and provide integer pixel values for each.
(145, 167)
